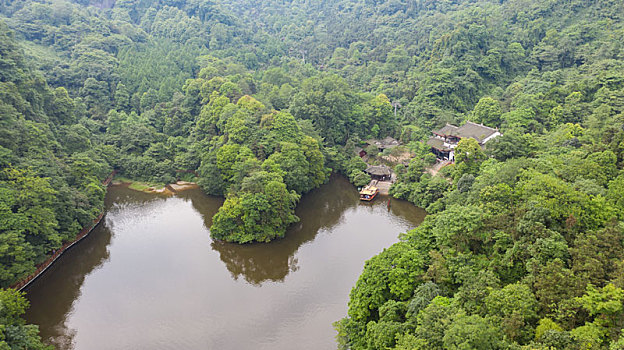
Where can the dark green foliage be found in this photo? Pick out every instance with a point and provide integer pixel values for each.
(529, 228)
(50, 176)
(14, 333)
(263, 98)
(261, 211)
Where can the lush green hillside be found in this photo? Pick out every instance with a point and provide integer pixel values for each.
(51, 169)
(524, 244)
(50, 181)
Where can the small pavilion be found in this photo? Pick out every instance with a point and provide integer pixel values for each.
(379, 172)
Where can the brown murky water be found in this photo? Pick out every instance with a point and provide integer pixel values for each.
(150, 276)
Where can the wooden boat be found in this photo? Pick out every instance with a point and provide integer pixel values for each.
(368, 193)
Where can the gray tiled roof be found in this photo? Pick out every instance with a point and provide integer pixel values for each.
(379, 170)
(478, 132)
(447, 130)
(437, 144)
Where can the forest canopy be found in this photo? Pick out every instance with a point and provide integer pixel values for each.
(524, 244)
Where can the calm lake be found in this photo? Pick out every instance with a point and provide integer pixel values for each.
(150, 277)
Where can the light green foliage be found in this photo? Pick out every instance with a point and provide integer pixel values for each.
(417, 187)
(551, 192)
(468, 157)
(510, 145)
(488, 111)
(354, 169)
(264, 166)
(567, 132)
(434, 321)
(615, 194)
(516, 307)
(391, 275)
(475, 289)
(260, 212)
(12, 306)
(617, 345)
(230, 157)
(359, 178)
(14, 334)
(133, 87)
(327, 102)
(546, 325)
(458, 227)
(606, 305)
(588, 337)
(595, 254)
(301, 165)
(382, 334)
(472, 332)
(379, 114)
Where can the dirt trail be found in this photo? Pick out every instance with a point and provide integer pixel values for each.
(437, 166)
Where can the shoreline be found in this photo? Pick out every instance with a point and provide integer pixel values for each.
(167, 190)
(42, 267)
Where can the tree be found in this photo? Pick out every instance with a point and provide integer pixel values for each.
(516, 306)
(14, 333)
(510, 145)
(393, 274)
(472, 332)
(327, 102)
(606, 305)
(423, 295)
(122, 98)
(434, 322)
(262, 211)
(468, 157)
(488, 111)
(95, 94)
(459, 227)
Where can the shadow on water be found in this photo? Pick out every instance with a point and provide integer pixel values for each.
(54, 295)
(320, 209)
(63, 280)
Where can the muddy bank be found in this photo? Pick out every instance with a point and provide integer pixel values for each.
(183, 186)
(167, 190)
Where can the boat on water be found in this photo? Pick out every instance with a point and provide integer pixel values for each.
(368, 193)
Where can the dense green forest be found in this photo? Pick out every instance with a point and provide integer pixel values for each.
(524, 244)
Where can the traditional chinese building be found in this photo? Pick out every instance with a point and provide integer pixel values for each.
(379, 172)
(386, 143)
(444, 140)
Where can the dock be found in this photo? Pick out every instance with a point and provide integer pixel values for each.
(382, 186)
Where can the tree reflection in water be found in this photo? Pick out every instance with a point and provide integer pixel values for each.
(136, 276)
(63, 281)
(256, 263)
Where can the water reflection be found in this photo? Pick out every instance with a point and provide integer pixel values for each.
(150, 276)
(53, 293)
(51, 297)
(319, 209)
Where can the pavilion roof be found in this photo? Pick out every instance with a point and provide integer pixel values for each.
(438, 144)
(476, 131)
(447, 130)
(378, 170)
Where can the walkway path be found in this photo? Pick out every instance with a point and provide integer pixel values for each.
(20, 285)
(384, 187)
(437, 166)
